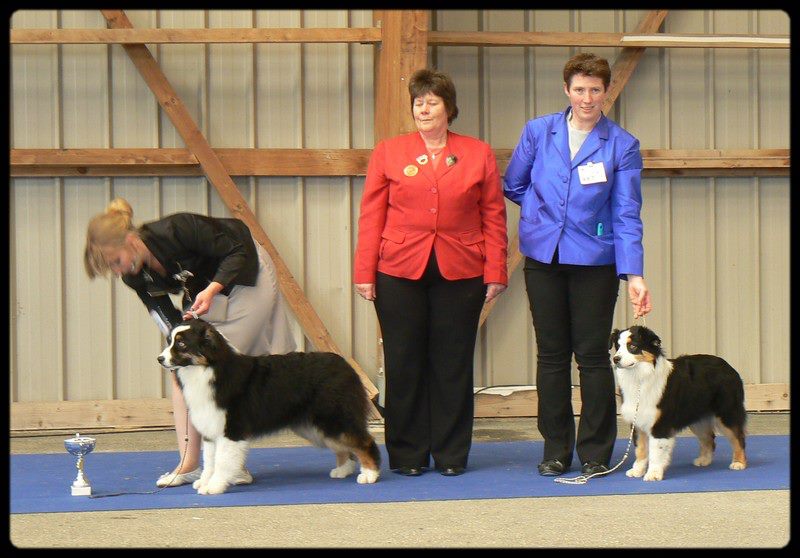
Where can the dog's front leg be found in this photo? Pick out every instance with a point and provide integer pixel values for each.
(209, 449)
(229, 459)
(660, 455)
(640, 465)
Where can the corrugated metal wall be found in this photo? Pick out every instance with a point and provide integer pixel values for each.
(717, 249)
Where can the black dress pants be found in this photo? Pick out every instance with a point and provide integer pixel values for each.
(429, 326)
(573, 309)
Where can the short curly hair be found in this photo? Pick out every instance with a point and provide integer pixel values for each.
(587, 64)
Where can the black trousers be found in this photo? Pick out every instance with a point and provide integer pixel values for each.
(429, 326)
(573, 309)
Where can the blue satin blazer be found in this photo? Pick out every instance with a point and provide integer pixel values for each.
(591, 224)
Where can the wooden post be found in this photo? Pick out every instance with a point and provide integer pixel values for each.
(197, 144)
(402, 51)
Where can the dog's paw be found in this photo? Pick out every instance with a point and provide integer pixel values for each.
(213, 487)
(368, 476)
(737, 465)
(654, 475)
(345, 470)
(702, 461)
(637, 470)
(203, 480)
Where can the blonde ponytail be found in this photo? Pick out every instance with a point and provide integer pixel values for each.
(107, 229)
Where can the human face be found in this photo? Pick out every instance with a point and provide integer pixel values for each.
(430, 114)
(121, 260)
(586, 95)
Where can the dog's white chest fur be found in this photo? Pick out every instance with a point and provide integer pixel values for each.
(207, 418)
(642, 387)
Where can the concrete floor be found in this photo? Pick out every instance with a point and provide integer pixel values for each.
(748, 519)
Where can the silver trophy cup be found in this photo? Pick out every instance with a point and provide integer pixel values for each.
(80, 446)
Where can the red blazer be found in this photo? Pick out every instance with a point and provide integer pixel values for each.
(408, 209)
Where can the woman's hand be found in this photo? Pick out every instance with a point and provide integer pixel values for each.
(639, 296)
(366, 290)
(203, 300)
(494, 290)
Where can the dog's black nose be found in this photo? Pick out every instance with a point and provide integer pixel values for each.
(616, 359)
(160, 359)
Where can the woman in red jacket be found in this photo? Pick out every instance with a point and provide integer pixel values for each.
(431, 250)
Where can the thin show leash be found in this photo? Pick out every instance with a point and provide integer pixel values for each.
(174, 473)
(583, 479)
(183, 457)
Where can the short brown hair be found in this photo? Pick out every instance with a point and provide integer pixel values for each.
(109, 228)
(432, 81)
(587, 64)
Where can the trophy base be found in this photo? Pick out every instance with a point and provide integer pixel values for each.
(81, 490)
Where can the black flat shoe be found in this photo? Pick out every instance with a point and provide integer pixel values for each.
(408, 471)
(451, 471)
(551, 468)
(592, 467)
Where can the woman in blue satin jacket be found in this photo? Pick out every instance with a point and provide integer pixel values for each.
(577, 177)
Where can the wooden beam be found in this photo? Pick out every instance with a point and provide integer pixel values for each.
(524, 402)
(402, 51)
(212, 167)
(181, 162)
(372, 35)
(351, 162)
(144, 414)
(591, 39)
(365, 35)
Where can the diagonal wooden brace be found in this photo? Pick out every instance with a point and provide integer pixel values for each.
(147, 66)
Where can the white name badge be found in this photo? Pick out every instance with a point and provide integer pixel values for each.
(592, 173)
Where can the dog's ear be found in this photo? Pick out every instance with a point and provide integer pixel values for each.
(656, 341)
(612, 339)
(652, 338)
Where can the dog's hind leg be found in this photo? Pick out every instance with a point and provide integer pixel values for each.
(345, 465)
(735, 434)
(704, 430)
(370, 458)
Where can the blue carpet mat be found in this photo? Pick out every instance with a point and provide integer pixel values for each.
(299, 475)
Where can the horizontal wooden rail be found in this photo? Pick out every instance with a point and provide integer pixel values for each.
(658, 40)
(142, 414)
(366, 35)
(351, 162)
(371, 35)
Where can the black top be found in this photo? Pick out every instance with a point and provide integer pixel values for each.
(209, 248)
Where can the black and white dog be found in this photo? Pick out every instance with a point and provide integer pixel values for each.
(233, 398)
(694, 391)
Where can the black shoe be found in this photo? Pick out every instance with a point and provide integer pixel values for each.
(592, 467)
(408, 471)
(551, 468)
(451, 471)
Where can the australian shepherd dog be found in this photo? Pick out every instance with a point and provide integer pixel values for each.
(233, 398)
(662, 396)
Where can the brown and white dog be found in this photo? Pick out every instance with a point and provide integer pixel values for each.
(662, 396)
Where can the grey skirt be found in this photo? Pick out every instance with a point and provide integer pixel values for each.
(256, 319)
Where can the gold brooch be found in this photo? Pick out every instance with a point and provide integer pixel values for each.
(451, 160)
(410, 170)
